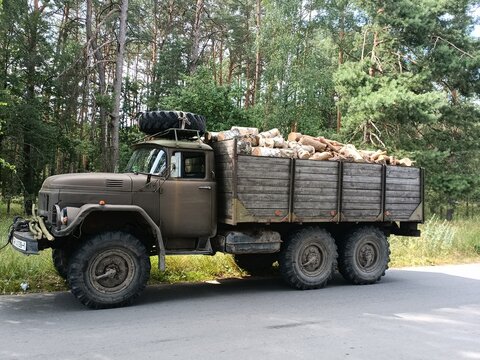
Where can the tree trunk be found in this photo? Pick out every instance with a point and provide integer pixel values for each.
(195, 52)
(117, 88)
(100, 66)
(257, 55)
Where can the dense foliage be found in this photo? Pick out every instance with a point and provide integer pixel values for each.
(396, 74)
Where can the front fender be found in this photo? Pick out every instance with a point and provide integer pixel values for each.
(87, 209)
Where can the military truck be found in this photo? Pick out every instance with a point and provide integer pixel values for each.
(179, 195)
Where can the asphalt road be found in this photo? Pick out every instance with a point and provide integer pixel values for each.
(415, 313)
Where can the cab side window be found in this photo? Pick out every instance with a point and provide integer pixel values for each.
(193, 165)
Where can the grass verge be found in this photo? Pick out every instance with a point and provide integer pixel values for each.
(441, 242)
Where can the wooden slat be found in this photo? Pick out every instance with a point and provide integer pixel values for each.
(401, 207)
(400, 181)
(254, 198)
(360, 166)
(315, 198)
(402, 200)
(319, 206)
(317, 170)
(360, 206)
(281, 183)
(360, 214)
(403, 194)
(309, 184)
(313, 177)
(394, 171)
(257, 189)
(270, 213)
(311, 213)
(316, 191)
(363, 199)
(283, 168)
(362, 172)
(315, 164)
(363, 186)
(273, 205)
(362, 179)
(400, 187)
(347, 193)
(266, 174)
(269, 161)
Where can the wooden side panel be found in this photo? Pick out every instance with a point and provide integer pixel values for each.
(262, 185)
(361, 192)
(315, 190)
(224, 161)
(403, 194)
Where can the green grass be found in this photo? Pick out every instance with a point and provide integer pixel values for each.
(441, 242)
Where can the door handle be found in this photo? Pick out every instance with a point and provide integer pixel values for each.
(205, 187)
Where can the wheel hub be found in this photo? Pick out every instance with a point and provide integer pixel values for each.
(311, 260)
(111, 271)
(367, 256)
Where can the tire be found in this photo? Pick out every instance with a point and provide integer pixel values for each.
(255, 264)
(153, 122)
(119, 253)
(60, 257)
(309, 259)
(364, 256)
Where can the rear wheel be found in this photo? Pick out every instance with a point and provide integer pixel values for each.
(255, 264)
(364, 256)
(309, 259)
(109, 270)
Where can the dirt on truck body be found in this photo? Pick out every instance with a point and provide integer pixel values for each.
(179, 195)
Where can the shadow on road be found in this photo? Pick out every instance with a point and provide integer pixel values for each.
(397, 285)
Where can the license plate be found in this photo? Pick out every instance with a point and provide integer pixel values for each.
(19, 244)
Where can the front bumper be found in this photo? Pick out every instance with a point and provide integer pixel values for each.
(24, 242)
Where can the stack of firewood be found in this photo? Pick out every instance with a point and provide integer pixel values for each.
(271, 143)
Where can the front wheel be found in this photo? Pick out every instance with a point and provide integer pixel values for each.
(309, 259)
(364, 256)
(109, 270)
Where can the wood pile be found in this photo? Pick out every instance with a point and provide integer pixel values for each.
(272, 144)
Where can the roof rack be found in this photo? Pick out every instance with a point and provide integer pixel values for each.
(177, 134)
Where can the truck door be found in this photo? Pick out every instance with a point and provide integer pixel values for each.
(187, 199)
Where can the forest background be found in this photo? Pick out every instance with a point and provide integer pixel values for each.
(400, 75)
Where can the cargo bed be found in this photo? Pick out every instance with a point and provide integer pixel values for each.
(281, 190)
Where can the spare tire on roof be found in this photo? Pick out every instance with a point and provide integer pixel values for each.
(153, 122)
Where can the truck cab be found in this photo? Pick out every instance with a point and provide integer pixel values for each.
(174, 181)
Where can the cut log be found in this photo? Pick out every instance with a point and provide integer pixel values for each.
(243, 131)
(377, 154)
(271, 152)
(302, 153)
(227, 135)
(310, 140)
(270, 133)
(382, 159)
(331, 144)
(351, 152)
(294, 136)
(326, 155)
(405, 162)
(244, 147)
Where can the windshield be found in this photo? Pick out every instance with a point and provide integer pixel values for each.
(150, 160)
